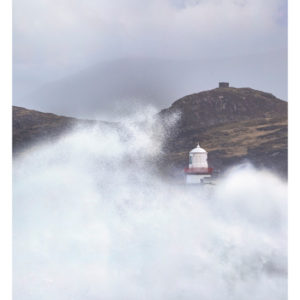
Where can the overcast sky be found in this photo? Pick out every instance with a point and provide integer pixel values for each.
(53, 39)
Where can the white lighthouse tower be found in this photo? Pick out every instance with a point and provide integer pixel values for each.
(198, 167)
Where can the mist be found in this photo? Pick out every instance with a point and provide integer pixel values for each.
(93, 219)
(105, 91)
(93, 58)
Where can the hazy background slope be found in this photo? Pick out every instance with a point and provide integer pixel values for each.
(106, 90)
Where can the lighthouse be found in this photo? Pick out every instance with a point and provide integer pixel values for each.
(198, 168)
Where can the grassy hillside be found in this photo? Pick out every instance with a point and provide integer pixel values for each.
(233, 125)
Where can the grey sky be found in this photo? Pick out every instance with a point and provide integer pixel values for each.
(57, 38)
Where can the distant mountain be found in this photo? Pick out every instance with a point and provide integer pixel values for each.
(105, 90)
(233, 124)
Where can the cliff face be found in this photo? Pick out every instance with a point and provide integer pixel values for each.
(232, 124)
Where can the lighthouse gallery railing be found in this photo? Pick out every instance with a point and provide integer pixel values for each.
(198, 170)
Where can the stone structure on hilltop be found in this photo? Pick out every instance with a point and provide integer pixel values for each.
(223, 84)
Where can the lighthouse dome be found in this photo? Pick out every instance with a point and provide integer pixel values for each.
(198, 149)
(198, 158)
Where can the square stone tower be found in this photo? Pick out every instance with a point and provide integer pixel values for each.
(223, 84)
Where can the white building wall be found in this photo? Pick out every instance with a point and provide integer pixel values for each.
(195, 178)
(198, 160)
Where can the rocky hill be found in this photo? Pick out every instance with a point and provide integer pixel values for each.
(233, 124)
(31, 126)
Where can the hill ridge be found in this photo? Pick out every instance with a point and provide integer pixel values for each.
(232, 124)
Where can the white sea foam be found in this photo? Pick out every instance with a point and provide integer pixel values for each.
(93, 220)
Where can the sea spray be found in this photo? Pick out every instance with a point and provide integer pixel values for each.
(94, 220)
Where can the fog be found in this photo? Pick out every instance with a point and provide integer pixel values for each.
(105, 91)
(147, 52)
(93, 219)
